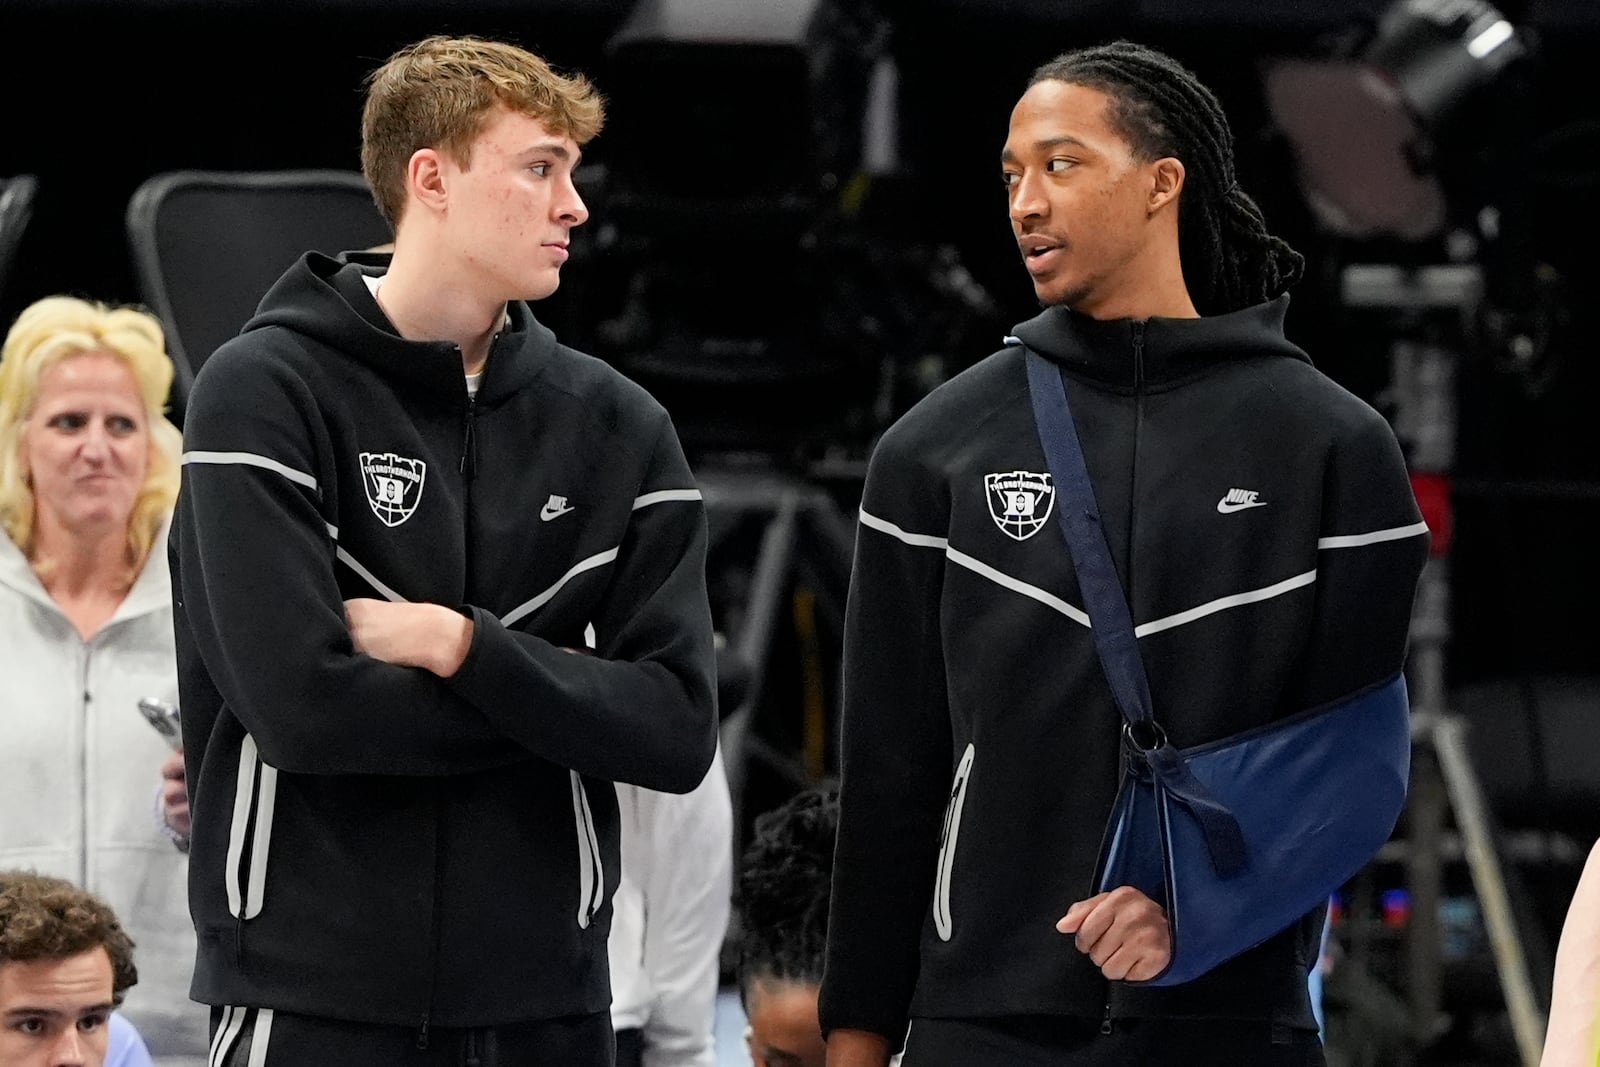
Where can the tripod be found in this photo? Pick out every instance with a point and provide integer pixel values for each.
(1443, 778)
(804, 533)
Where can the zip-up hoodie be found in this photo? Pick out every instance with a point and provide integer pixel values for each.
(1262, 523)
(372, 842)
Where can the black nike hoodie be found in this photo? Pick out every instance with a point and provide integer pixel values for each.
(372, 842)
(1262, 523)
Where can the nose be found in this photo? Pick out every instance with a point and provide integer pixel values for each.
(96, 443)
(569, 206)
(1027, 197)
(69, 1051)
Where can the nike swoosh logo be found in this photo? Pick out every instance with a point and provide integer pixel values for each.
(547, 512)
(1226, 508)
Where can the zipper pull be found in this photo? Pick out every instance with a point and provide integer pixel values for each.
(469, 446)
(422, 1033)
(1138, 353)
(1105, 1023)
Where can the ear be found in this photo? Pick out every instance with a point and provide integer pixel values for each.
(426, 178)
(1166, 182)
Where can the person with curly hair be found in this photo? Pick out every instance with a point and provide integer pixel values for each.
(65, 965)
(782, 907)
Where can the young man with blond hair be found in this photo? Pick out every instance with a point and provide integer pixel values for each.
(404, 505)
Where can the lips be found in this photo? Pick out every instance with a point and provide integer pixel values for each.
(1041, 253)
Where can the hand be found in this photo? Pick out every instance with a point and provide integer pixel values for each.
(175, 795)
(1123, 931)
(429, 636)
(857, 1048)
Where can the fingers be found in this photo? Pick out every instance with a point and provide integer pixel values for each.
(1123, 931)
(1120, 963)
(1149, 965)
(175, 806)
(1097, 924)
(172, 766)
(1069, 923)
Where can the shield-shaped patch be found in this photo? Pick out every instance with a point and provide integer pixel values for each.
(1020, 501)
(393, 484)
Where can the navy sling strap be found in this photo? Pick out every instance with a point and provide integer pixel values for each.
(1239, 838)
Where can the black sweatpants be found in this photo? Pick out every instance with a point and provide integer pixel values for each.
(261, 1037)
(1068, 1042)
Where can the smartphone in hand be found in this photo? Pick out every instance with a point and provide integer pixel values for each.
(164, 717)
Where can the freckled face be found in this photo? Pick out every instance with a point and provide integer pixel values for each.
(510, 212)
(1077, 195)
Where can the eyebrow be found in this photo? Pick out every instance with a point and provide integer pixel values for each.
(18, 1014)
(553, 148)
(1008, 156)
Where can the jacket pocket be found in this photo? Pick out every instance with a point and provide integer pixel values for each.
(943, 924)
(255, 797)
(591, 875)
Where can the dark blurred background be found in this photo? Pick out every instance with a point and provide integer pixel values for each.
(799, 229)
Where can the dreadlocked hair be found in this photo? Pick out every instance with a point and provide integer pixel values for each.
(782, 896)
(1230, 260)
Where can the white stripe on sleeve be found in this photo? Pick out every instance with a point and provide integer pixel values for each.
(1395, 533)
(661, 496)
(250, 459)
(914, 539)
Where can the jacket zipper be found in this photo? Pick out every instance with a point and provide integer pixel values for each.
(943, 920)
(438, 909)
(1138, 427)
(469, 471)
(591, 873)
(469, 444)
(83, 765)
(1105, 1023)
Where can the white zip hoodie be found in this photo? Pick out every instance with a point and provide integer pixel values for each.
(79, 770)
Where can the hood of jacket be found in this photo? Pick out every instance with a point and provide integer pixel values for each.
(151, 590)
(1170, 350)
(325, 300)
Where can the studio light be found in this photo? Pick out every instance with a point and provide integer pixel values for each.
(1366, 129)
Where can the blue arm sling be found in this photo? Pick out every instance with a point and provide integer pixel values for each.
(1239, 838)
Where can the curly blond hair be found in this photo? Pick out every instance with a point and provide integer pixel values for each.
(56, 329)
(438, 93)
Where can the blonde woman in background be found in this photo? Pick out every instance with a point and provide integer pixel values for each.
(88, 476)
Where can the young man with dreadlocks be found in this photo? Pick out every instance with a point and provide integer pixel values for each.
(1261, 521)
